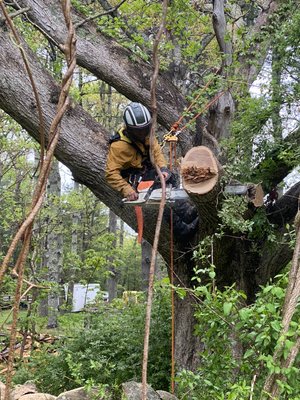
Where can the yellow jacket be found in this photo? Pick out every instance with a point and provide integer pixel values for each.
(122, 155)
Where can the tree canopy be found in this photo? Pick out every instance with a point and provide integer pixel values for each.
(213, 55)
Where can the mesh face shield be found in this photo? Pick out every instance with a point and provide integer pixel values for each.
(138, 134)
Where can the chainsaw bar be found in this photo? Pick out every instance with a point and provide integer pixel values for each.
(172, 195)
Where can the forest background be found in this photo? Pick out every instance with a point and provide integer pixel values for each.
(237, 323)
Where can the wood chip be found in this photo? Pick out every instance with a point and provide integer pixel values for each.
(193, 174)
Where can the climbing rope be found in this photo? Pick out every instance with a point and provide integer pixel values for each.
(177, 123)
(24, 233)
(172, 305)
(175, 130)
(172, 140)
(161, 205)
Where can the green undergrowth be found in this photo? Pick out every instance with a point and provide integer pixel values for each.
(238, 343)
(105, 351)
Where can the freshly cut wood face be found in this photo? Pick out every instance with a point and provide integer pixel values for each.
(195, 174)
(199, 170)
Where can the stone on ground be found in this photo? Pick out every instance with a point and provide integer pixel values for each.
(133, 391)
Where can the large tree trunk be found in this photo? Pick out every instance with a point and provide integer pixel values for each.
(83, 148)
(76, 217)
(55, 248)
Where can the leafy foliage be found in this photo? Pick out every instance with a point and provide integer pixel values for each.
(136, 23)
(16, 171)
(107, 350)
(238, 342)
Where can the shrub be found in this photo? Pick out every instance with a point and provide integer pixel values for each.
(238, 345)
(108, 351)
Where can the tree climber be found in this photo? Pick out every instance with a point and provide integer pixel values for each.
(128, 163)
(128, 160)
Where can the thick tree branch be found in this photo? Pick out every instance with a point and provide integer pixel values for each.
(224, 108)
(83, 142)
(219, 24)
(111, 11)
(108, 61)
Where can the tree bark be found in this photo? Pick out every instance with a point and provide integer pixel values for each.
(107, 60)
(83, 148)
(83, 142)
(112, 279)
(55, 248)
(146, 258)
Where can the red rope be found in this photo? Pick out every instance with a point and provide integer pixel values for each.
(204, 109)
(175, 126)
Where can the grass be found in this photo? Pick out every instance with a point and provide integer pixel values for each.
(68, 326)
(68, 323)
(6, 318)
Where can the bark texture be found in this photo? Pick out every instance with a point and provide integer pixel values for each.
(107, 60)
(112, 279)
(145, 264)
(55, 249)
(83, 149)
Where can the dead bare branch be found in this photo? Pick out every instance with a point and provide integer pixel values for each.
(110, 11)
(15, 14)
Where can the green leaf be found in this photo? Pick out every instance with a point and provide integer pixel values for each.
(276, 325)
(181, 293)
(212, 274)
(278, 292)
(244, 313)
(227, 306)
(249, 353)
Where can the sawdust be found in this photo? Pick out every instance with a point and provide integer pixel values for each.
(193, 174)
